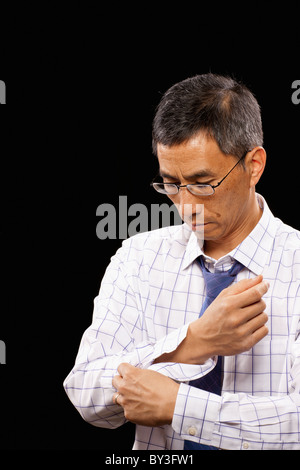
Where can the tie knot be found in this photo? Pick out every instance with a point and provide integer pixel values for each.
(217, 281)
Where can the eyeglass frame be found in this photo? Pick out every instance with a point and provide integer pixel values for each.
(200, 184)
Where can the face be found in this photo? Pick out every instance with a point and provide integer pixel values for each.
(230, 209)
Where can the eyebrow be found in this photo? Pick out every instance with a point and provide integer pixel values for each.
(198, 174)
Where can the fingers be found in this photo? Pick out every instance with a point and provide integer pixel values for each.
(259, 334)
(251, 306)
(251, 311)
(246, 307)
(247, 291)
(116, 397)
(256, 322)
(126, 368)
(254, 285)
(244, 285)
(253, 294)
(118, 381)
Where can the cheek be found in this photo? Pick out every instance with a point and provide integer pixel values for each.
(216, 207)
(223, 205)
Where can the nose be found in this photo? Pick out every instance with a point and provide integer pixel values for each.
(188, 205)
(185, 197)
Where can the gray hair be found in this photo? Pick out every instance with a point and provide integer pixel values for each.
(220, 106)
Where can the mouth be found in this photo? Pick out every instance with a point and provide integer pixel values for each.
(199, 226)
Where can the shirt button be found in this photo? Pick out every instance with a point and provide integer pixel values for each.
(245, 445)
(192, 431)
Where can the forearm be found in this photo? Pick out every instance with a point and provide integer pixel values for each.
(89, 385)
(192, 350)
(228, 327)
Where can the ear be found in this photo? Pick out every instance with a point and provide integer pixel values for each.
(256, 160)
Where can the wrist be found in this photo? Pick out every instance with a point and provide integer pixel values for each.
(172, 398)
(194, 349)
(200, 348)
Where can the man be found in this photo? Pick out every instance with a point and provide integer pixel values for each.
(150, 344)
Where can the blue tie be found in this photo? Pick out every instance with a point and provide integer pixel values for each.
(212, 382)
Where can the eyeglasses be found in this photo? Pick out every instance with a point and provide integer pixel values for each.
(198, 189)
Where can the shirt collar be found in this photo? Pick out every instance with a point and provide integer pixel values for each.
(253, 252)
(193, 248)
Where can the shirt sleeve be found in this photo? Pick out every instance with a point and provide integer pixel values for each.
(120, 333)
(241, 421)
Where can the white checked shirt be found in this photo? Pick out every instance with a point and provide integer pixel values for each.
(152, 289)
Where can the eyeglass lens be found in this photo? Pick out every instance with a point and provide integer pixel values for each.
(171, 189)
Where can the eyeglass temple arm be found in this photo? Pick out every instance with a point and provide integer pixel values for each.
(242, 157)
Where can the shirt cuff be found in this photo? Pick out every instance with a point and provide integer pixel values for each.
(174, 370)
(183, 372)
(196, 414)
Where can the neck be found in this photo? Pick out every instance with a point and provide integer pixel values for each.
(243, 227)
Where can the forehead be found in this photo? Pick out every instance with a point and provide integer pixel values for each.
(199, 153)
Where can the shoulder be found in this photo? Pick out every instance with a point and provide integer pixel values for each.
(287, 236)
(286, 250)
(161, 243)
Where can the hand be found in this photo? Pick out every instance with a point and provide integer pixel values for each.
(233, 323)
(148, 397)
(235, 320)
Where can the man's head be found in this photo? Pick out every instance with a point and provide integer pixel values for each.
(218, 106)
(203, 126)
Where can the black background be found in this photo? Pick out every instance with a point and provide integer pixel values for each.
(82, 87)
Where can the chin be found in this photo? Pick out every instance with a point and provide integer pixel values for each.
(212, 234)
